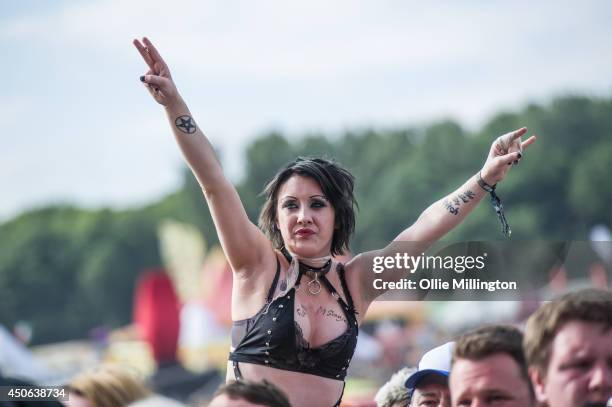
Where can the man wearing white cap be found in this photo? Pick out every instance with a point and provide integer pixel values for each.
(428, 386)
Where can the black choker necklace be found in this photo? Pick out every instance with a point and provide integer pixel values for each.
(314, 286)
(316, 270)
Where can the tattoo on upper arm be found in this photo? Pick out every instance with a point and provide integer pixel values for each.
(457, 201)
(186, 124)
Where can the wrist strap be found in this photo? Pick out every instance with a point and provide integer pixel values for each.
(499, 210)
(497, 204)
(483, 184)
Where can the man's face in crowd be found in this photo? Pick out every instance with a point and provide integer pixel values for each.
(492, 381)
(431, 391)
(580, 367)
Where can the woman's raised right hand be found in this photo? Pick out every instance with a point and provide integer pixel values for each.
(157, 79)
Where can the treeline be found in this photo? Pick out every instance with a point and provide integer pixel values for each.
(67, 270)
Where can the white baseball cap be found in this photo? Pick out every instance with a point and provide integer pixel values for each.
(436, 361)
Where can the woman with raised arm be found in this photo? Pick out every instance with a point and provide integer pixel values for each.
(296, 310)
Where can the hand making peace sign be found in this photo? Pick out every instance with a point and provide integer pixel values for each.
(157, 79)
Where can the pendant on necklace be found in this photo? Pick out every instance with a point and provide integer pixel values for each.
(314, 287)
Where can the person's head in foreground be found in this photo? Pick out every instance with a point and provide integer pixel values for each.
(313, 197)
(428, 386)
(106, 386)
(394, 393)
(568, 345)
(249, 394)
(489, 369)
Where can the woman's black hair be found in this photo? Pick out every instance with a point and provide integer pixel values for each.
(337, 186)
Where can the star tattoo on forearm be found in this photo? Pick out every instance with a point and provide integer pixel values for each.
(186, 124)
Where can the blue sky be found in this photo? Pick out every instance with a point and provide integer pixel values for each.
(77, 126)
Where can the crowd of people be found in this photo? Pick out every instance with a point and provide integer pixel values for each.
(562, 358)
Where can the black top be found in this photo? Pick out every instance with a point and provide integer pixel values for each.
(273, 338)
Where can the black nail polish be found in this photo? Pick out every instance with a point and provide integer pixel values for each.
(520, 156)
(142, 78)
(516, 162)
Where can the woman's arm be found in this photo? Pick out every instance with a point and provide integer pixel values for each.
(442, 216)
(243, 243)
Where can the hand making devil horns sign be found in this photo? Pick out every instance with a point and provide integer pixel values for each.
(505, 150)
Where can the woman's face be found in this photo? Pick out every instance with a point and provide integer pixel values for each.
(305, 217)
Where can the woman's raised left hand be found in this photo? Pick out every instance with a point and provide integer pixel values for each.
(505, 151)
(157, 79)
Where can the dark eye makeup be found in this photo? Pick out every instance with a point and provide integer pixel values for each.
(289, 204)
(318, 203)
(314, 203)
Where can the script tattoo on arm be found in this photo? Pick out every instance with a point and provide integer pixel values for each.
(467, 196)
(450, 207)
(453, 207)
(186, 124)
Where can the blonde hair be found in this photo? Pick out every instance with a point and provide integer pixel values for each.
(109, 386)
(394, 391)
